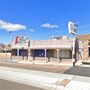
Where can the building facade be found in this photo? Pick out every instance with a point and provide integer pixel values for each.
(55, 49)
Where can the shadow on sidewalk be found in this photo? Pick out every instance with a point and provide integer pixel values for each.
(77, 70)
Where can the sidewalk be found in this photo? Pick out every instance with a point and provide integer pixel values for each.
(66, 63)
(45, 80)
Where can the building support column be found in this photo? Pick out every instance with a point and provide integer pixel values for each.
(29, 55)
(57, 55)
(17, 54)
(46, 55)
(11, 55)
(6, 52)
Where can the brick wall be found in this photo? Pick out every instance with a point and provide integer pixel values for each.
(85, 50)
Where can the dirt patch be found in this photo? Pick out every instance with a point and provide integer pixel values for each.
(63, 82)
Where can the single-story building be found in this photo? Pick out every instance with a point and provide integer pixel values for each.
(53, 49)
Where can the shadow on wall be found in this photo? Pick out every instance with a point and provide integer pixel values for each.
(77, 70)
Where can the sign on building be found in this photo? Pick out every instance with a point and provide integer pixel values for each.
(72, 28)
(22, 40)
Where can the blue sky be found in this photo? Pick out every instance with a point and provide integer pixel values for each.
(43, 18)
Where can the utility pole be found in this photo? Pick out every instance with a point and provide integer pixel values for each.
(73, 30)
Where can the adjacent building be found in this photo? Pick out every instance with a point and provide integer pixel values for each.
(85, 44)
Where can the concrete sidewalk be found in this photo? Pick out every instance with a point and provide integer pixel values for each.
(66, 63)
(41, 62)
(45, 80)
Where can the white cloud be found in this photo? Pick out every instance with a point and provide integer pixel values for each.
(11, 27)
(31, 30)
(49, 26)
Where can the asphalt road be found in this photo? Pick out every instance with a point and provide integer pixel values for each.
(8, 85)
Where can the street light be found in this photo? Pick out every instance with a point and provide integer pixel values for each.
(11, 32)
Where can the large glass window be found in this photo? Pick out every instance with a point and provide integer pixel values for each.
(23, 52)
(65, 53)
(40, 53)
(14, 52)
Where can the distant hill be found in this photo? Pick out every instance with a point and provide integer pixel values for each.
(84, 37)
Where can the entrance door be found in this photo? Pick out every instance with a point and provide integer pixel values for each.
(89, 51)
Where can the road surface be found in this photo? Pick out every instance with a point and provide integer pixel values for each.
(8, 85)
